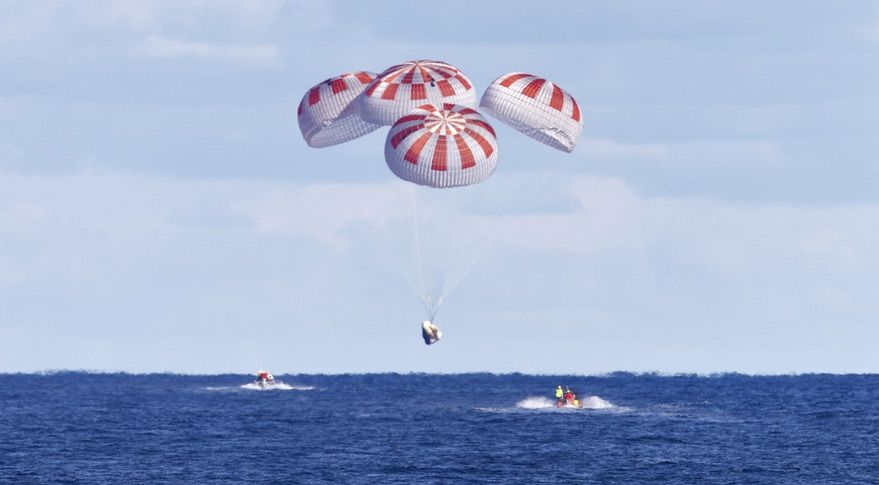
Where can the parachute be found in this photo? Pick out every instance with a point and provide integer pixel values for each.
(535, 107)
(404, 87)
(327, 113)
(442, 146)
(437, 140)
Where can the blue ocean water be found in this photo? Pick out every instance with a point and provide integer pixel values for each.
(475, 428)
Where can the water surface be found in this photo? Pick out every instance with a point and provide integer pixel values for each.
(390, 428)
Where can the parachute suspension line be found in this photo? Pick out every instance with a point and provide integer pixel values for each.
(399, 242)
(470, 238)
(430, 308)
(444, 289)
(416, 235)
(431, 311)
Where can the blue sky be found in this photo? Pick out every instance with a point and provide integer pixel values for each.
(160, 212)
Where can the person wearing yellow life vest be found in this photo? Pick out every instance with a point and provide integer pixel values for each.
(559, 393)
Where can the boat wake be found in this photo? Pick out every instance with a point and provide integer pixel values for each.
(278, 386)
(591, 402)
(538, 403)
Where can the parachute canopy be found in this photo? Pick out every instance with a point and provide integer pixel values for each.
(328, 114)
(437, 139)
(442, 146)
(535, 107)
(401, 88)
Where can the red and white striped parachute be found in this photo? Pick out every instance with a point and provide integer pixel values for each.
(535, 107)
(442, 146)
(404, 87)
(328, 114)
(437, 139)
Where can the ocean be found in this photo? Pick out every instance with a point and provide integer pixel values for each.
(73, 427)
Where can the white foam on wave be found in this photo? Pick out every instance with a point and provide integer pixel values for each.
(278, 386)
(537, 402)
(595, 402)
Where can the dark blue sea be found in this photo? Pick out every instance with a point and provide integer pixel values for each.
(75, 427)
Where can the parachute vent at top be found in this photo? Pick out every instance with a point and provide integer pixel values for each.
(442, 146)
(328, 114)
(401, 88)
(535, 107)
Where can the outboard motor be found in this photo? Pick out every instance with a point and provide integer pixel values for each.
(430, 332)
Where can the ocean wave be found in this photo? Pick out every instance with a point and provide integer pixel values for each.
(280, 386)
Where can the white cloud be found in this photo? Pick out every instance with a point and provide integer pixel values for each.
(135, 15)
(322, 211)
(25, 20)
(165, 48)
(9, 154)
(185, 251)
(871, 31)
(731, 238)
(155, 14)
(609, 216)
(613, 150)
(692, 154)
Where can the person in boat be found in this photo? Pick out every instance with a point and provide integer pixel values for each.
(569, 395)
(264, 377)
(559, 394)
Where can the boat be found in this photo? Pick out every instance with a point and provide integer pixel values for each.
(568, 400)
(572, 404)
(264, 379)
